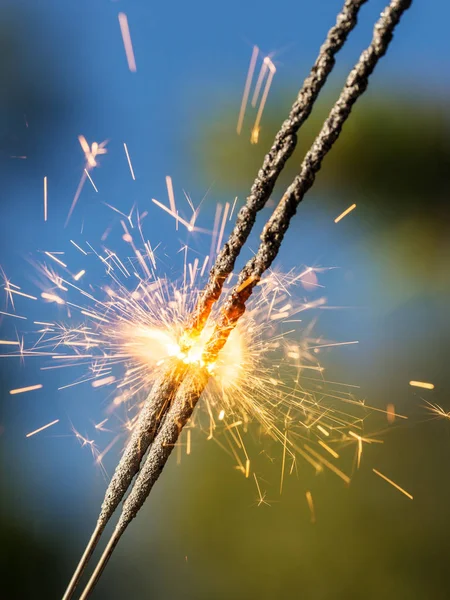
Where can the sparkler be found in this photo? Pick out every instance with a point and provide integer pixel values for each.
(186, 385)
(190, 360)
(162, 395)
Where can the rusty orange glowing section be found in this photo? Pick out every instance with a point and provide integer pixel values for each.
(29, 388)
(125, 30)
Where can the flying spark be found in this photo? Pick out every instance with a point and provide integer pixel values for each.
(345, 213)
(42, 428)
(125, 30)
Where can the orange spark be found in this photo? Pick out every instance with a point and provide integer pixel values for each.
(29, 388)
(248, 82)
(9, 343)
(397, 487)
(390, 412)
(345, 213)
(262, 104)
(309, 500)
(422, 384)
(125, 30)
(42, 428)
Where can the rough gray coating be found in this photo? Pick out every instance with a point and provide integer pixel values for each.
(176, 418)
(155, 406)
(278, 224)
(274, 161)
(178, 415)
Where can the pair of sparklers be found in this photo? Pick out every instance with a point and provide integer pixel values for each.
(181, 383)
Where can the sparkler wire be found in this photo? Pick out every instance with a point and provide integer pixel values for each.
(193, 385)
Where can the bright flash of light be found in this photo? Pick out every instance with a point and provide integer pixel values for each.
(117, 332)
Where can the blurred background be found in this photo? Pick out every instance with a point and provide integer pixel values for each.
(202, 535)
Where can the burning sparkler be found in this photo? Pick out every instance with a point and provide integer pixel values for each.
(177, 343)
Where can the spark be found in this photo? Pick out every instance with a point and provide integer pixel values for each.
(125, 30)
(259, 81)
(309, 500)
(52, 298)
(248, 83)
(345, 213)
(174, 215)
(222, 228)
(29, 388)
(390, 413)
(79, 275)
(45, 198)
(78, 247)
(11, 291)
(272, 71)
(232, 208)
(261, 496)
(334, 344)
(129, 161)
(333, 453)
(9, 343)
(60, 262)
(171, 194)
(105, 381)
(422, 384)
(397, 487)
(12, 315)
(438, 410)
(91, 180)
(42, 428)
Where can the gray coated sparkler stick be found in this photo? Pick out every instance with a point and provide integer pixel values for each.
(274, 162)
(194, 384)
(156, 405)
(275, 229)
(282, 148)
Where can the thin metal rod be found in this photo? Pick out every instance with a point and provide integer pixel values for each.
(178, 415)
(154, 409)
